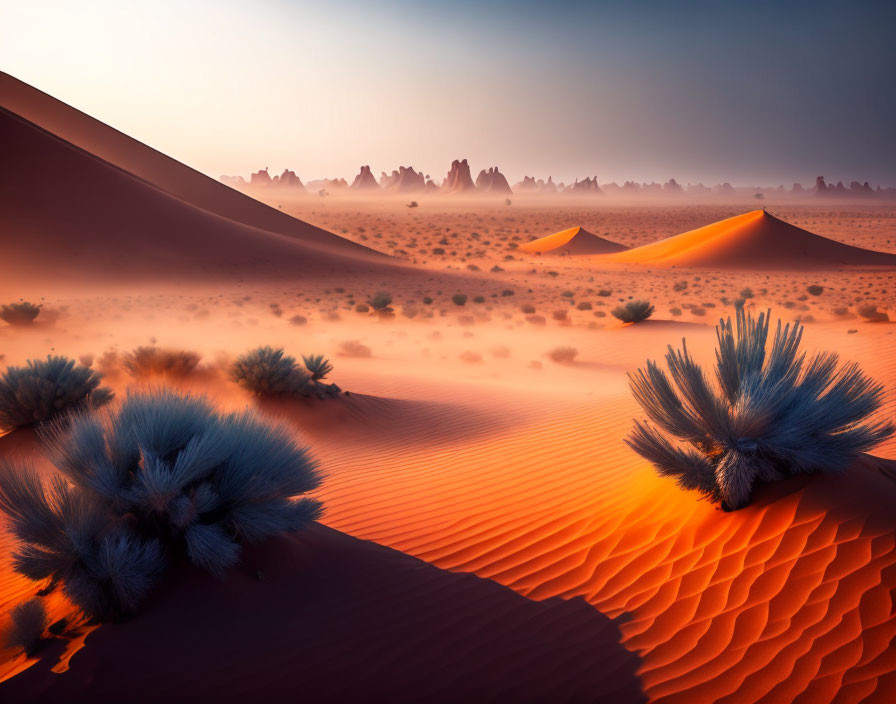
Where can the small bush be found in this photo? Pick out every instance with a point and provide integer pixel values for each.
(634, 311)
(318, 365)
(427, 300)
(147, 361)
(459, 299)
(583, 305)
(527, 308)
(563, 355)
(605, 293)
(25, 631)
(772, 413)
(298, 320)
(43, 390)
(560, 315)
(815, 290)
(164, 477)
(679, 285)
(19, 314)
(872, 314)
(380, 301)
(354, 348)
(362, 308)
(266, 371)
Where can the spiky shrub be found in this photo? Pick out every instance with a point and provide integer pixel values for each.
(44, 389)
(634, 311)
(266, 371)
(147, 361)
(25, 631)
(163, 477)
(317, 365)
(19, 314)
(772, 412)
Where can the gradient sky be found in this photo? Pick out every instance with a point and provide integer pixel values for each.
(753, 92)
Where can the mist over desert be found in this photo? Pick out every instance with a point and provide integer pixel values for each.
(419, 422)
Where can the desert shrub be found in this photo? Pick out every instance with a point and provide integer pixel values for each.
(354, 348)
(266, 371)
(815, 289)
(298, 320)
(427, 300)
(679, 285)
(459, 299)
(479, 299)
(746, 293)
(362, 308)
(563, 355)
(633, 311)
(771, 413)
(536, 319)
(583, 305)
(380, 301)
(508, 292)
(604, 293)
(163, 478)
(872, 314)
(147, 361)
(19, 314)
(318, 365)
(527, 308)
(27, 623)
(560, 315)
(42, 390)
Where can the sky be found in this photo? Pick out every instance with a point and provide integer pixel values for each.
(750, 92)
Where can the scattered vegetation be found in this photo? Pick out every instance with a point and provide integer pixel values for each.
(19, 314)
(354, 348)
(147, 361)
(772, 413)
(380, 302)
(42, 390)
(872, 314)
(633, 311)
(459, 299)
(165, 477)
(563, 355)
(815, 289)
(25, 631)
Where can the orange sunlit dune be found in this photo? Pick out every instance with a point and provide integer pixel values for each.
(574, 240)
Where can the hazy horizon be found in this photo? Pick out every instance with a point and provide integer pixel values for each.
(755, 94)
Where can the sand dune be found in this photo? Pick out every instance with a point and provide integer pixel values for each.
(575, 240)
(150, 165)
(754, 240)
(68, 215)
(336, 619)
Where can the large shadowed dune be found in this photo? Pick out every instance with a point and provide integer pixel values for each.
(68, 215)
(152, 166)
(575, 241)
(754, 240)
(337, 619)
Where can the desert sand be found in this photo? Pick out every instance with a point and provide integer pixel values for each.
(487, 534)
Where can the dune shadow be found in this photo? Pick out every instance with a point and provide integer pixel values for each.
(379, 419)
(326, 617)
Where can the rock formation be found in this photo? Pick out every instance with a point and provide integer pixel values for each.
(405, 180)
(493, 181)
(588, 185)
(365, 180)
(458, 178)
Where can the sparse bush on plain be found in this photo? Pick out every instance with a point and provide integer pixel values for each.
(872, 314)
(772, 412)
(354, 348)
(44, 389)
(815, 289)
(19, 314)
(25, 630)
(163, 477)
(459, 299)
(270, 372)
(633, 311)
(563, 355)
(380, 301)
(149, 360)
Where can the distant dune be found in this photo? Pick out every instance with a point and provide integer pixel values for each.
(754, 240)
(575, 240)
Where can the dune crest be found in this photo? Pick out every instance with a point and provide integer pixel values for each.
(753, 240)
(575, 240)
